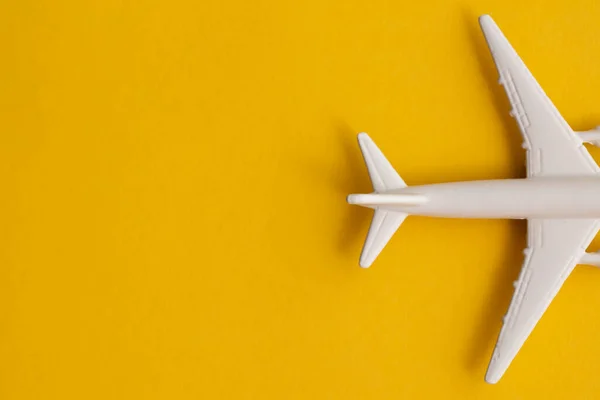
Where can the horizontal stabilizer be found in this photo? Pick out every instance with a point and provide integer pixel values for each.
(384, 225)
(383, 176)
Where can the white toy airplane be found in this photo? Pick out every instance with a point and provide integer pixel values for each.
(560, 198)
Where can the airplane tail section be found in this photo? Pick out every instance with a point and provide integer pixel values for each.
(383, 226)
(384, 178)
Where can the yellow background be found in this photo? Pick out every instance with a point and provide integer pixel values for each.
(173, 221)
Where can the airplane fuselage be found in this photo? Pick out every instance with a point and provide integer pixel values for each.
(565, 197)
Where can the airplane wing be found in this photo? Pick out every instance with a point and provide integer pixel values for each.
(553, 149)
(555, 246)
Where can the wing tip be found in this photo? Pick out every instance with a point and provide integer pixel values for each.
(485, 19)
(496, 368)
(363, 138)
(489, 26)
(366, 255)
(364, 141)
(365, 262)
(492, 377)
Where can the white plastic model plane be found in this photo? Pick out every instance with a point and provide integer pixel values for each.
(560, 198)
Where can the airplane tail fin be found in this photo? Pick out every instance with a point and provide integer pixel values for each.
(385, 222)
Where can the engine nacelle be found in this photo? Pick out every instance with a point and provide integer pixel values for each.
(592, 136)
(591, 259)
